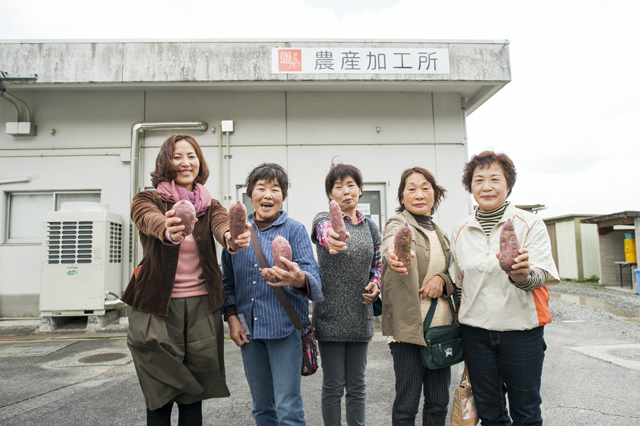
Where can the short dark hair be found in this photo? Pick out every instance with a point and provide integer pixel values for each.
(165, 171)
(339, 172)
(269, 172)
(438, 191)
(486, 159)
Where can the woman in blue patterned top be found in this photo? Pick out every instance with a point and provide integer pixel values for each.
(350, 283)
(270, 345)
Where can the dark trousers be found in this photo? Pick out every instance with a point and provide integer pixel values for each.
(505, 363)
(189, 415)
(411, 380)
(343, 367)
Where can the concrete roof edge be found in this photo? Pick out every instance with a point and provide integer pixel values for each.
(300, 40)
(568, 216)
(627, 214)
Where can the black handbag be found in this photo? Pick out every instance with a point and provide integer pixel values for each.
(444, 343)
(307, 334)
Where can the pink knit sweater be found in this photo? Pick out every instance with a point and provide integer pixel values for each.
(189, 276)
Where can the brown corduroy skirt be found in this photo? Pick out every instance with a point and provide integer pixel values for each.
(179, 357)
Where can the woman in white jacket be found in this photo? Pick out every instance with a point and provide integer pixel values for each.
(502, 314)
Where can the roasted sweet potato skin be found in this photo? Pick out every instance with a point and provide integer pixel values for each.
(337, 221)
(402, 245)
(509, 246)
(280, 247)
(237, 222)
(187, 213)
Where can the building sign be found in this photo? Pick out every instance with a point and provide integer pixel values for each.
(359, 60)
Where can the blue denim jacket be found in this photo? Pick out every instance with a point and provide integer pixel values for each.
(254, 298)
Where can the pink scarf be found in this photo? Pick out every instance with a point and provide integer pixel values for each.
(200, 196)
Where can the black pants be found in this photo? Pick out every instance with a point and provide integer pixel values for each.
(411, 380)
(188, 415)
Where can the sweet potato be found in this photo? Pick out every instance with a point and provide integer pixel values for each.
(337, 221)
(187, 214)
(237, 222)
(280, 247)
(402, 245)
(509, 246)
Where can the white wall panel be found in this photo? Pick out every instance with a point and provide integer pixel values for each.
(259, 117)
(449, 161)
(567, 257)
(447, 113)
(335, 117)
(79, 118)
(590, 249)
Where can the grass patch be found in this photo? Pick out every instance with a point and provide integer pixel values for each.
(593, 281)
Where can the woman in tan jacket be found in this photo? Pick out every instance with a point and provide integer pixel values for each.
(407, 295)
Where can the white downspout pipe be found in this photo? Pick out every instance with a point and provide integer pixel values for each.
(136, 132)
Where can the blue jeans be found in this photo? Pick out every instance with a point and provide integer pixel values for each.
(505, 363)
(343, 367)
(273, 370)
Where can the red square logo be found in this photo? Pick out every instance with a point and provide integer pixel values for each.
(290, 60)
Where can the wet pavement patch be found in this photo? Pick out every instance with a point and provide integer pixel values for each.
(106, 357)
(102, 358)
(624, 355)
(632, 354)
(31, 349)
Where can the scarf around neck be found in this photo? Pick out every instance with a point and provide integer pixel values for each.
(200, 197)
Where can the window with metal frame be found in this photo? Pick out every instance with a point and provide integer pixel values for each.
(25, 211)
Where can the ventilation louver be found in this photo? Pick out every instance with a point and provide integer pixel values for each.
(69, 242)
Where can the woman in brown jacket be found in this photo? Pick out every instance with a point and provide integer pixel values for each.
(175, 328)
(407, 295)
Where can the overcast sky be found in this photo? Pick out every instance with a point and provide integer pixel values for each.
(569, 118)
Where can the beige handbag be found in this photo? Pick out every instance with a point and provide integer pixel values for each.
(464, 411)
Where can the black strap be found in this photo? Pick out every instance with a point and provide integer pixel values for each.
(432, 311)
(371, 272)
(295, 319)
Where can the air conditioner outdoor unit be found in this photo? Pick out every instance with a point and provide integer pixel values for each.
(82, 259)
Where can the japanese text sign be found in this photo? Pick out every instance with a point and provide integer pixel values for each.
(359, 60)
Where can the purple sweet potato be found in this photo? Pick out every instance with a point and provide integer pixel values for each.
(509, 246)
(280, 247)
(337, 221)
(237, 222)
(402, 245)
(187, 214)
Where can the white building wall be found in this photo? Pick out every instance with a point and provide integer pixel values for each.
(567, 256)
(302, 131)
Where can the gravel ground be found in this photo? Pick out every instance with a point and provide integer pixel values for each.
(572, 302)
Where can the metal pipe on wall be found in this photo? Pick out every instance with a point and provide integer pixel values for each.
(136, 132)
(23, 103)
(15, 106)
(220, 166)
(16, 180)
(228, 157)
